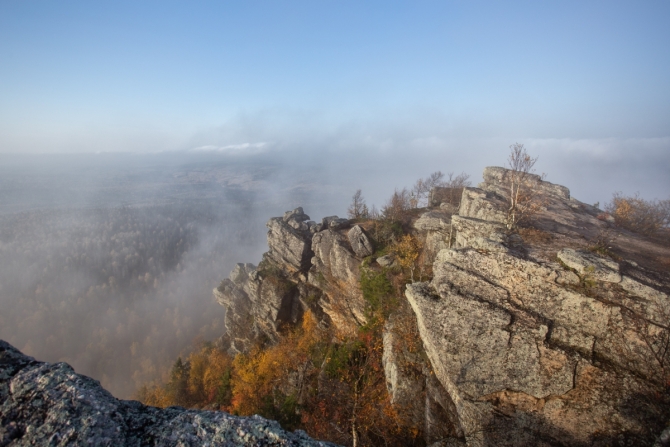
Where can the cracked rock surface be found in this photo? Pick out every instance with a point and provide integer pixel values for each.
(50, 404)
(552, 346)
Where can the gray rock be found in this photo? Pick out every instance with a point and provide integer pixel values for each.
(50, 404)
(443, 195)
(483, 205)
(297, 215)
(485, 321)
(240, 273)
(590, 265)
(494, 175)
(334, 222)
(449, 207)
(333, 257)
(289, 247)
(433, 221)
(479, 234)
(335, 270)
(360, 242)
(386, 260)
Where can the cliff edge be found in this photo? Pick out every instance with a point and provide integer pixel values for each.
(49, 404)
(556, 332)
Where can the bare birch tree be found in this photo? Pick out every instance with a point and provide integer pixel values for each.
(523, 194)
(357, 209)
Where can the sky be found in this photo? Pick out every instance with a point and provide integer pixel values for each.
(584, 84)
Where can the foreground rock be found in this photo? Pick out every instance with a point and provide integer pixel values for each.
(50, 404)
(555, 345)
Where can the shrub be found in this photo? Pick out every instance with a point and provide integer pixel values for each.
(639, 215)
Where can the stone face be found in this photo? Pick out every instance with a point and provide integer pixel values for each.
(477, 233)
(518, 345)
(50, 404)
(590, 265)
(335, 270)
(333, 257)
(443, 195)
(483, 205)
(360, 242)
(497, 176)
(290, 246)
(485, 324)
(433, 221)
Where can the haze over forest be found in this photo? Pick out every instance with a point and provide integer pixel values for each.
(143, 147)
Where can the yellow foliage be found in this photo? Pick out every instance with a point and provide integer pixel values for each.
(407, 250)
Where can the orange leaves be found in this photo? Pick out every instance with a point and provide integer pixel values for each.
(407, 251)
(333, 389)
(639, 215)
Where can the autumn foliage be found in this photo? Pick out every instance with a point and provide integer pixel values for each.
(334, 388)
(639, 215)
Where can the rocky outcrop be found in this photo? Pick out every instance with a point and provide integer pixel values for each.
(336, 271)
(308, 266)
(360, 243)
(289, 240)
(533, 351)
(497, 178)
(530, 337)
(50, 404)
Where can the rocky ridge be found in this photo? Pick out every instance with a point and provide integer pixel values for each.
(532, 338)
(49, 404)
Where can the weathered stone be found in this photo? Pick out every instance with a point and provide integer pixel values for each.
(50, 404)
(334, 222)
(402, 387)
(386, 260)
(433, 221)
(479, 234)
(238, 325)
(492, 322)
(494, 175)
(333, 257)
(240, 273)
(335, 270)
(445, 195)
(360, 242)
(589, 265)
(297, 215)
(483, 205)
(289, 247)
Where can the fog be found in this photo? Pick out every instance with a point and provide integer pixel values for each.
(107, 261)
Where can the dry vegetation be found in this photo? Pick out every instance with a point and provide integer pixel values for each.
(647, 217)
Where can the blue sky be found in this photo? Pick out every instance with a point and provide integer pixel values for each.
(335, 75)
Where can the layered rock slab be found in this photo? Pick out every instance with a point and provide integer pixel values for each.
(560, 349)
(50, 404)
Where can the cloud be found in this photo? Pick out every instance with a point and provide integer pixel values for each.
(243, 148)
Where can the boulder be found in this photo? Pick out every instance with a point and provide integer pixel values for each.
(360, 242)
(290, 243)
(297, 215)
(50, 404)
(433, 221)
(386, 260)
(333, 257)
(334, 222)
